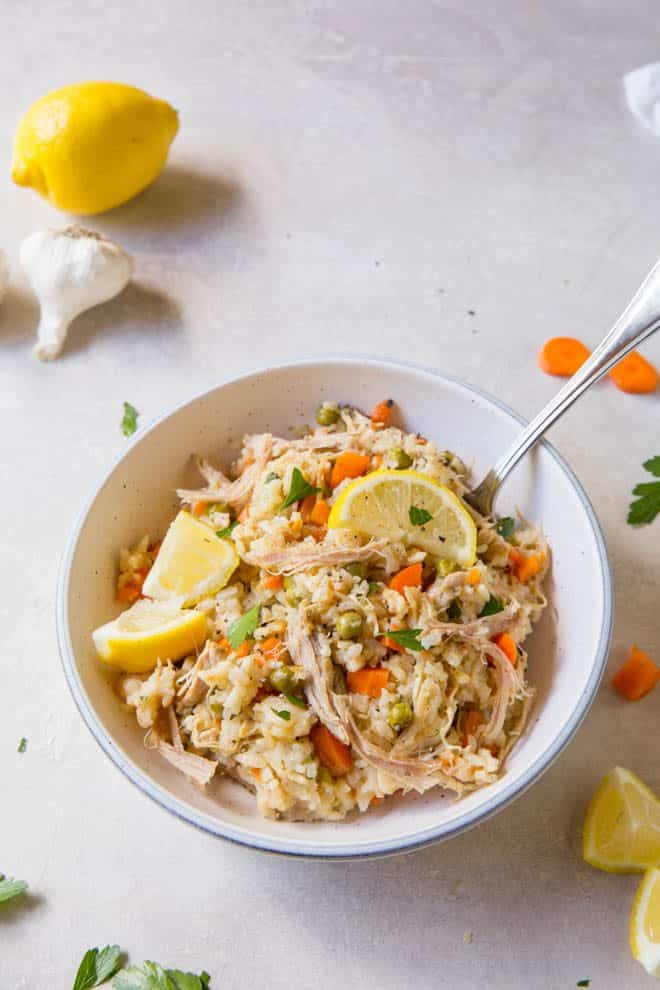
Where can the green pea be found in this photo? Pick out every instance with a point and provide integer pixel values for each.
(358, 569)
(445, 567)
(349, 625)
(282, 679)
(292, 596)
(327, 414)
(400, 715)
(400, 458)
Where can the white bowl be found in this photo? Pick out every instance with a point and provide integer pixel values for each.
(568, 649)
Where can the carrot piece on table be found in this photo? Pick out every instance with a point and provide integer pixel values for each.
(349, 464)
(274, 582)
(381, 412)
(473, 576)
(637, 677)
(529, 567)
(635, 374)
(409, 577)
(369, 680)
(333, 754)
(562, 356)
(199, 508)
(473, 719)
(507, 644)
(320, 512)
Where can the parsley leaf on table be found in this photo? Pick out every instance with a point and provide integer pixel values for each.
(506, 527)
(97, 966)
(151, 976)
(408, 638)
(583, 983)
(645, 508)
(300, 488)
(418, 516)
(243, 628)
(129, 421)
(11, 888)
(22, 746)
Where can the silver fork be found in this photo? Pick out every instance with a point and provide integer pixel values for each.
(639, 320)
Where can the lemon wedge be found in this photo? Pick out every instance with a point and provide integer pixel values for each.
(645, 922)
(192, 563)
(622, 828)
(147, 632)
(408, 506)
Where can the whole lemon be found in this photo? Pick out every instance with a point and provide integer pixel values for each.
(92, 146)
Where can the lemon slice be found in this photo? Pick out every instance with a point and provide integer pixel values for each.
(147, 632)
(645, 922)
(622, 828)
(398, 504)
(192, 563)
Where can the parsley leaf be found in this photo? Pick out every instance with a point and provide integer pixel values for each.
(295, 700)
(243, 628)
(286, 715)
(22, 746)
(300, 488)
(225, 533)
(506, 527)
(129, 421)
(583, 983)
(151, 976)
(492, 607)
(418, 516)
(454, 612)
(97, 966)
(645, 508)
(408, 638)
(11, 888)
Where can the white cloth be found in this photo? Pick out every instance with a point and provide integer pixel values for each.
(642, 88)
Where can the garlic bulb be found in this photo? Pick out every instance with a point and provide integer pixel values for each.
(4, 273)
(70, 271)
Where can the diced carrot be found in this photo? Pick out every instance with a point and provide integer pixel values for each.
(273, 581)
(199, 508)
(473, 577)
(507, 644)
(244, 649)
(563, 356)
(320, 512)
(369, 680)
(637, 677)
(515, 556)
(349, 464)
(333, 754)
(473, 719)
(391, 644)
(224, 644)
(376, 801)
(132, 590)
(381, 412)
(408, 577)
(244, 513)
(306, 507)
(529, 567)
(635, 374)
(271, 645)
(256, 772)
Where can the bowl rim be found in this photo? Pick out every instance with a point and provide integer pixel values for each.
(364, 849)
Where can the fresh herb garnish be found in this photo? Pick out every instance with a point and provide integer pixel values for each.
(373, 586)
(454, 612)
(272, 476)
(22, 746)
(97, 966)
(644, 509)
(408, 638)
(300, 488)
(295, 700)
(10, 888)
(243, 628)
(129, 421)
(151, 976)
(583, 983)
(418, 516)
(492, 607)
(506, 527)
(286, 715)
(225, 533)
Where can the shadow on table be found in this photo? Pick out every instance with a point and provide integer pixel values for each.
(18, 908)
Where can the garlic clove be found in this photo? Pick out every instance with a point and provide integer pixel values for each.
(70, 271)
(4, 273)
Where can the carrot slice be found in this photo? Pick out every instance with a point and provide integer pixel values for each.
(320, 512)
(635, 374)
(562, 356)
(473, 719)
(637, 677)
(409, 577)
(333, 754)
(274, 582)
(507, 644)
(381, 413)
(349, 464)
(369, 680)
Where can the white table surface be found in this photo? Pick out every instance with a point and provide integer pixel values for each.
(349, 176)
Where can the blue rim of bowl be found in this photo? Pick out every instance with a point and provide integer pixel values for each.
(366, 849)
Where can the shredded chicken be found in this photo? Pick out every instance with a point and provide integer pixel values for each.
(191, 688)
(220, 489)
(300, 557)
(305, 651)
(197, 768)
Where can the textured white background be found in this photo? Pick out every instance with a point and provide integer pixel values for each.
(349, 176)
